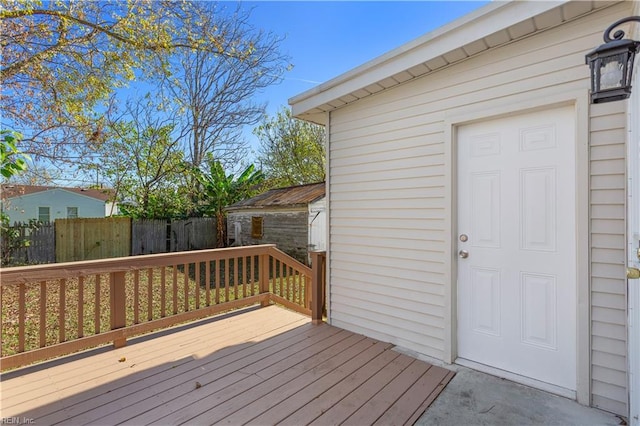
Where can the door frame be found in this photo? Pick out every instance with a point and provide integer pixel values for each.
(517, 105)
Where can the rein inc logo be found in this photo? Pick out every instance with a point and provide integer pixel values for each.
(17, 421)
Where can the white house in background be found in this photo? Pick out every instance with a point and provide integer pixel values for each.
(45, 203)
(480, 210)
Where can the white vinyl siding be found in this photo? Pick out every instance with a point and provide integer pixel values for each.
(57, 200)
(388, 196)
(608, 134)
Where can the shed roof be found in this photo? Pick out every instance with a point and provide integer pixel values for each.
(493, 25)
(283, 197)
(12, 191)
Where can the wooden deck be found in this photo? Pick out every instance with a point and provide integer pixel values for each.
(260, 366)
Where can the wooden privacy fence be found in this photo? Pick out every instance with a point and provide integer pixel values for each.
(51, 310)
(161, 236)
(71, 240)
(37, 244)
(92, 238)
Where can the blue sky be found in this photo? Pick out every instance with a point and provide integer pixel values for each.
(327, 38)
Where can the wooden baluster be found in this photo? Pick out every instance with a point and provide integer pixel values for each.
(136, 297)
(207, 272)
(253, 275)
(285, 281)
(263, 277)
(21, 317)
(227, 266)
(274, 271)
(43, 314)
(274, 279)
(175, 289)
(282, 279)
(236, 277)
(97, 308)
(149, 294)
(163, 292)
(296, 286)
(62, 310)
(197, 280)
(301, 287)
(216, 265)
(118, 305)
(186, 287)
(80, 307)
(245, 271)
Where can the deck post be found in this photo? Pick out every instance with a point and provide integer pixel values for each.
(118, 308)
(317, 285)
(263, 272)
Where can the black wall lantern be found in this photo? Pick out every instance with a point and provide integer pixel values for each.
(611, 65)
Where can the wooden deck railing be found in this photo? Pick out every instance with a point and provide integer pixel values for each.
(56, 309)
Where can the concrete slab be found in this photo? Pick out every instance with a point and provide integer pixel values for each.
(475, 398)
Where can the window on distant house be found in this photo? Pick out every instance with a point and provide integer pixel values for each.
(44, 214)
(72, 212)
(256, 227)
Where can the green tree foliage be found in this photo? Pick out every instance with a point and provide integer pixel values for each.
(292, 151)
(221, 190)
(12, 161)
(143, 163)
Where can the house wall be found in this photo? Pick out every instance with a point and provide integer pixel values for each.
(287, 228)
(25, 207)
(608, 265)
(390, 198)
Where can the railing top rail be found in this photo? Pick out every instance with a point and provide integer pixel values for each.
(282, 256)
(34, 273)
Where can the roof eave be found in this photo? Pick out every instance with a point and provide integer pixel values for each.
(313, 104)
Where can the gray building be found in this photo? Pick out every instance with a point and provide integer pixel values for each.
(293, 218)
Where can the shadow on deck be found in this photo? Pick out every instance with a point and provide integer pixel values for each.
(255, 366)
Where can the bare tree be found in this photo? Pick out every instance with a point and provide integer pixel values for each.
(216, 92)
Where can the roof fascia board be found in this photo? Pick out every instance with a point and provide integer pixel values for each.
(474, 26)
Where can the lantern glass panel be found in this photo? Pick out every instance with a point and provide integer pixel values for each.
(612, 71)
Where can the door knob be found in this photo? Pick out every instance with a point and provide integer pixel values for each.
(463, 254)
(633, 273)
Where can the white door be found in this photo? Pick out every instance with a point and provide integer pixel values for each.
(516, 207)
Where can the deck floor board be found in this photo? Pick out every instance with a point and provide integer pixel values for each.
(261, 366)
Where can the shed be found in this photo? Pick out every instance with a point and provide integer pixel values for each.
(293, 218)
(480, 210)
